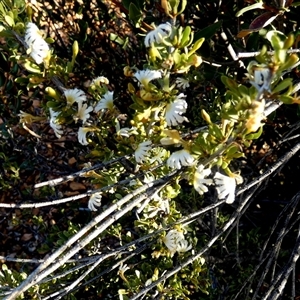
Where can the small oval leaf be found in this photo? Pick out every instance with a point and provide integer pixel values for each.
(262, 21)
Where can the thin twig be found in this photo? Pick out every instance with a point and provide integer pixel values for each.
(283, 160)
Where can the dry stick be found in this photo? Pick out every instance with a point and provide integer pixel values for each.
(88, 239)
(283, 160)
(76, 268)
(198, 255)
(72, 286)
(43, 204)
(36, 275)
(231, 50)
(74, 198)
(68, 289)
(273, 252)
(262, 260)
(64, 200)
(279, 283)
(256, 53)
(102, 273)
(57, 181)
(252, 275)
(291, 204)
(285, 230)
(187, 219)
(119, 250)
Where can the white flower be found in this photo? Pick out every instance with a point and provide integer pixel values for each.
(83, 112)
(182, 83)
(95, 201)
(262, 79)
(124, 132)
(172, 239)
(175, 241)
(200, 183)
(99, 80)
(122, 270)
(157, 205)
(174, 111)
(183, 246)
(53, 123)
(142, 151)
(145, 76)
(39, 49)
(180, 158)
(32, 33)
(82, 135)
(158, 34)
(225, 187)
(106, 102)
(74, 95)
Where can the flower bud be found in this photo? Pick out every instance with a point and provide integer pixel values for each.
(75, 49)
(205, 116)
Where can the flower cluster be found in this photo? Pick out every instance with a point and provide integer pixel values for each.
(225, 185)
(145, 76)
(175, 109)
(158, 35)
(262, 78)
(141, 152)
(38, 48)
(95, 201)
(181, 158)
(54, 123)
(175, 242)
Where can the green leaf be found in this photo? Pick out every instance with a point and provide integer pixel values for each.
(21, 80)
(9, 20)
(250, 7)
(185, 36)
(32, 67)
(135, 14)
(137, 3)
(282, 85)
(286, 99)
(243, 90)
(208, 31)
(256, 135)
(183, 6)
(216, 131)
(196, 46)
(115, 38)
(49, 40)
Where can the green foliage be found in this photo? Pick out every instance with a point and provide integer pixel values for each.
(141, 147)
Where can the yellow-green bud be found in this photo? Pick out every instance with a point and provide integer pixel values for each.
(52, 93)
(205, 116)
(288, 43)
(75, 49)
